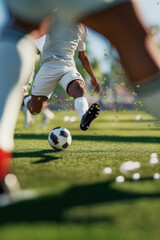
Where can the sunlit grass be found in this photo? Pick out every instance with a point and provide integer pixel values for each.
(77, 201)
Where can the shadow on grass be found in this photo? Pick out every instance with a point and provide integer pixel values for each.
(127, 120)
(139, 139)
(43, 155)
(29, 136)
(52, 207)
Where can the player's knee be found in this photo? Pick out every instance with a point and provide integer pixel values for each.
(76, 89)
(80, 90)
(36, 104)
(35, 110)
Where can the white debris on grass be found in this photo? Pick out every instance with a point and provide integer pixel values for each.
(129, 166)
(120, 179)
(156, 176)
(153, 159)
(72, 119)
(136, 176)
(107, 170)
(138, 117)
(66, 118)
(153, 155)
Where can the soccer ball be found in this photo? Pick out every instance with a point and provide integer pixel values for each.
(59, 138)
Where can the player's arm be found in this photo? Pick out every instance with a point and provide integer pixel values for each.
(86, 64)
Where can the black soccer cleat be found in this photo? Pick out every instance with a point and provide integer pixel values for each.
(89, 116)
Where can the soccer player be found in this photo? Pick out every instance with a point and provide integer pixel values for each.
(47, 114)
(58, 67)
(117, 20)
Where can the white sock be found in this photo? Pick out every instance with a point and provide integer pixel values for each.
(26, 100)
(47, 113)
(81, 106)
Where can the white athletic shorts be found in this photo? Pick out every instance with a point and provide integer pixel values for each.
(53, 72)
(69, 10)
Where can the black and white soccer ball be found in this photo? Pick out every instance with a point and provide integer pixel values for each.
(59, 138)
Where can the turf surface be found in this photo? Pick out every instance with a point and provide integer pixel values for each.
(76, 200)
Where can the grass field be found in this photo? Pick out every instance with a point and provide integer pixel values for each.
(75, 199)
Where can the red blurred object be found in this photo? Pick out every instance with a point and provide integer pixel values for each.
(5, 163)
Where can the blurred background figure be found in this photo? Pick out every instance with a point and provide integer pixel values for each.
(47, 114)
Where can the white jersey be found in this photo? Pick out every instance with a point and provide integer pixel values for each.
(63, 40)
(40, 42)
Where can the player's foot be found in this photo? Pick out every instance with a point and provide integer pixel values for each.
(89, 116)
(9, 188)
(47, 117)
(29, 118)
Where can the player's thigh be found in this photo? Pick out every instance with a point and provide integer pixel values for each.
(73, 10)
(71, 76)
(70, 10)
(113, 23)
(44, 82)
(124, 28)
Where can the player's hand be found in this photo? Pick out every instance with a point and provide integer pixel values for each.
(95, 83)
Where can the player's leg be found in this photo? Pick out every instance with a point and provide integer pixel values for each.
(42, 88)
(16, 53)
(28, 118)
(139, 53)
(76, 89)
(123, 27)
(48, 115)
(35, 104)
